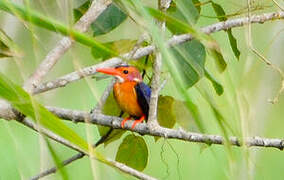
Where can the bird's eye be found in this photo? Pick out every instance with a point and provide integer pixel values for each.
(125, 72)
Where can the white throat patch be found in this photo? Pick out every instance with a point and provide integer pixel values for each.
(120, 79)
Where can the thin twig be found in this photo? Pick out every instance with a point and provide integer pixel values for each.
(266, 61)
(82, 25)
(117, 165)
(72, 159)
(157, 66)
(178, 39)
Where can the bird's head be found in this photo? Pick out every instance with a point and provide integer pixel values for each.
(123, 73)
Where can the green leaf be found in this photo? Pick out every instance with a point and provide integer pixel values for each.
(190, 60)
(52, 25)
(166, 116)
(221, 15)
(233, 43)
(57, 160)
(184, 11)
(80, 11)
(114, 135)
(24, 103)
(217, 86)
(183, 116)
(112, 17)
(5, 45)
(219, 59)
(133, 152)
(197, 5)
(108, 20)
(121, 46)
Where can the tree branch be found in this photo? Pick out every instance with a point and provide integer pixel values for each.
(157, 66)
(70, 160)
(177, 39)
(17, 116)
(96, 8)
(142, 128)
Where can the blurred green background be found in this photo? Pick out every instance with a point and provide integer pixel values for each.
(248, 86)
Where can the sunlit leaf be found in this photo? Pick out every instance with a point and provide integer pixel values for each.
(112, 17)
(183, 116)
(222, 17)
(190, 60)
(133, 152)
(166, 116)
(217, 86)
(121, 46)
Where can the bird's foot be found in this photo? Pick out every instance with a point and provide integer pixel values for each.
(137, 121)
(124, 121)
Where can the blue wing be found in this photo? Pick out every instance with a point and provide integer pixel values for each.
(143, 94)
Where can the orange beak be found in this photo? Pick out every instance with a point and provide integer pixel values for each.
(110, 71)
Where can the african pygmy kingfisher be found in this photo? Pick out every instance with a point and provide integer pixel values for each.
(130, 92)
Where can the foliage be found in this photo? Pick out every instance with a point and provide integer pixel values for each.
(220, 104)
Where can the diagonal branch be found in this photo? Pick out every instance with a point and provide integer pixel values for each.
(13, 114)
(177, 39)
(96, 8)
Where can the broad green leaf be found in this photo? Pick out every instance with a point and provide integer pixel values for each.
(183, 116)
(205, 39)
(190, 60)
(111, 108)
(222, 17)
(52, 25)
(108, 20)
(24, 103)
(184, 11)
(112, 17)
(133, 152)
(217, 86)
(166, 116)
(121, 46)
(80, 11)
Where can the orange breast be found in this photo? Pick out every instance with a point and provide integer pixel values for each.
(126, 98)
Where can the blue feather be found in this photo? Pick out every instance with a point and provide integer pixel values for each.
(143, 95)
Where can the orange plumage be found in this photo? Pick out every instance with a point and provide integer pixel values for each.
(126, 98)
(131, 94)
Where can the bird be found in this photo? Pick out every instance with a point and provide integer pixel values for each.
(130, 92)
